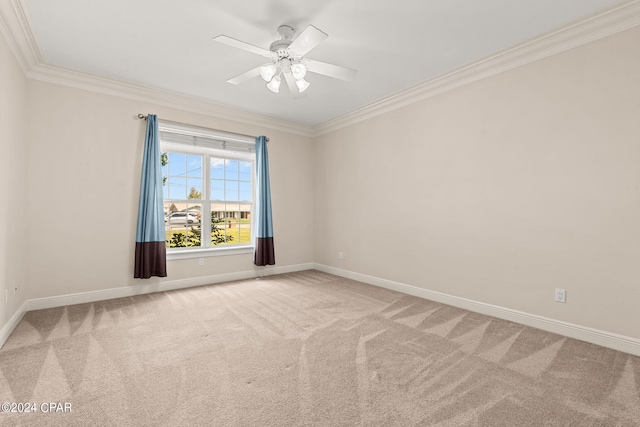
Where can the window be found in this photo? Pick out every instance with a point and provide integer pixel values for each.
(208, 184)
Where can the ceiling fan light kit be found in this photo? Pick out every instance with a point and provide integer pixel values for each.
(267, 71)
(298, 70)
(274, 84)
(287, 60)
(302, 85)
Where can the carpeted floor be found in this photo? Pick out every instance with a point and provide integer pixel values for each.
(305, 349)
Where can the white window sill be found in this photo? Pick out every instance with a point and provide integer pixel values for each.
(202, 253)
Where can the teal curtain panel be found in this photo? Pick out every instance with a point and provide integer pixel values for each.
(151, 254)
(264, 252)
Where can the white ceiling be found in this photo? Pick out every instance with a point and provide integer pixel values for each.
(394, 45)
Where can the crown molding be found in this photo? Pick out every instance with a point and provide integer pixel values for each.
(92, 83)
(620, 17)
(15, 26)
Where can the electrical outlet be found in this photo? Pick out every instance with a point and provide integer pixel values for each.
(342, 256)
(561, 295)
(200, 261)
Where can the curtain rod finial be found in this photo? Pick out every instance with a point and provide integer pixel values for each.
(142, 116)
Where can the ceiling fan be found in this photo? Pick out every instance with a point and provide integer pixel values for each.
(287, 60)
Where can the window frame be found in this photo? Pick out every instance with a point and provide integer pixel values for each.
(206, 202)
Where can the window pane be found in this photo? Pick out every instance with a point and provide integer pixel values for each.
(195, 188)
(245, 171)
(194, 164)
(217, 212)
(233, 234)
(217, 168)
(184, 176)
(231, 223)
(219, 226)
(245, 191)
(182, 224)
(232, 214)
(217, 189)
(231, 169)
(177, 188)
(231, 190)
(177, 165)
(244, 229)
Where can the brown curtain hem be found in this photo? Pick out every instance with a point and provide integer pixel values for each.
(265, 254)
(151, 260)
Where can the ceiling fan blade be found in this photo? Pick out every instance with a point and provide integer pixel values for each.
(335, 71)
(307, 40)
(242, 45)
(244, 76)
(291, 82)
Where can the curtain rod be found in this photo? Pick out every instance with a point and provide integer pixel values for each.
(142, 116)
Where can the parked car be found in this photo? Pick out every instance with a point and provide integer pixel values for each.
(181, 218)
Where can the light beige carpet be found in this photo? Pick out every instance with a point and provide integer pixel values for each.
(306, 349)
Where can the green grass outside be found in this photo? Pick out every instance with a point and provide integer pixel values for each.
(240, 235)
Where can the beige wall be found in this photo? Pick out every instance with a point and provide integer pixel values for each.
(85, 154)
(12, 178)
(502, 190)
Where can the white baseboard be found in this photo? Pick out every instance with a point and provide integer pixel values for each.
(11, 324)
(127, 291)
(583, 333)
(147, 288)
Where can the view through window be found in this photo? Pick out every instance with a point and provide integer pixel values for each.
(208, 192)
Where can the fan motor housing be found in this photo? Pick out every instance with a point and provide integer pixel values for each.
(280, 45)
(286, 33)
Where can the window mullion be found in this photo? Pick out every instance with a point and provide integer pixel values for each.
(253, 203)
(205, 240)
